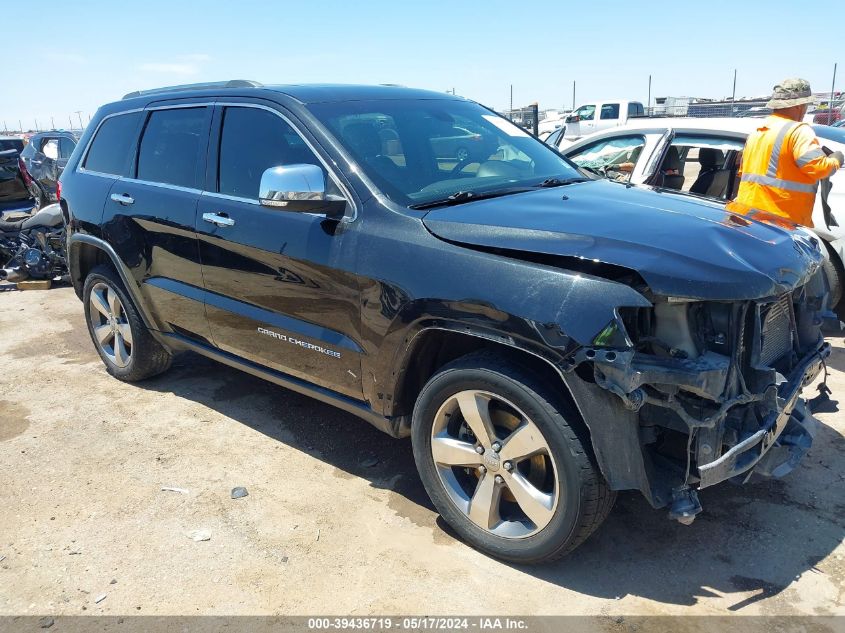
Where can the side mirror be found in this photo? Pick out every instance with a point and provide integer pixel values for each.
(299, 188)
(573, 118)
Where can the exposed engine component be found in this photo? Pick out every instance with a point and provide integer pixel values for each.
(714, 388)
(685, 505)
(672, 328)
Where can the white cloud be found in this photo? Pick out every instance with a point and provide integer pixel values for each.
(180, 65)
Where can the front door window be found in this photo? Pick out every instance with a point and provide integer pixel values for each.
(614, 158)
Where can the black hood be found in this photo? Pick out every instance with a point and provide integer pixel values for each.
(679, 245)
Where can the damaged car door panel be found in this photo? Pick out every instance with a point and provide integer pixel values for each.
(521, 323)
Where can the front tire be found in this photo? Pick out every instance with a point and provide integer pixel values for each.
(503, 463)
(124, 343)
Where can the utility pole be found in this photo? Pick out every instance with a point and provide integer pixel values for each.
(36, 125)
(510, 112)
(733, 96)
(70, 122)
(832, 90)
(648, 103)
(20, 125)
(52, 124)
(79, 114)
(573, 95)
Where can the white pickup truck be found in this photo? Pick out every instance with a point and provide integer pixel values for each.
(600, 115)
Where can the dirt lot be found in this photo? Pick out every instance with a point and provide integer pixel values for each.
(336, 520)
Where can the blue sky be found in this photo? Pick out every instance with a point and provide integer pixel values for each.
(103, 49)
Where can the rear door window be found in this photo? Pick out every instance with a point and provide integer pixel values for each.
(110, 150)
(609, 111)
(7, 144)
(172, 146)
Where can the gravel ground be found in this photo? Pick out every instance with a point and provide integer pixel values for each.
(336, 520)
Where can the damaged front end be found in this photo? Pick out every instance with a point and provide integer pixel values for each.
(705, 391)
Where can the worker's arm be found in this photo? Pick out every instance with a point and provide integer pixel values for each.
(809, 155)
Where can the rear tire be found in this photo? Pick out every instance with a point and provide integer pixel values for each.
(565, 498)
(833, 272)
(124, 343)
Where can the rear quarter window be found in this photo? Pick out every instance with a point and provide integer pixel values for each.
(110, 150)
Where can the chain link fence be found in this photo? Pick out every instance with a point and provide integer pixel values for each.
(708, 109)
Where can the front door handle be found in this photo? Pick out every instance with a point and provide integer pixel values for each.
(218, 219)
(123, 198)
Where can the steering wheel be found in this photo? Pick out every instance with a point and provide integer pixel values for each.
(460, 165)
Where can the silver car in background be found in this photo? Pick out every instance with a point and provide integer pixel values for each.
(701, 157)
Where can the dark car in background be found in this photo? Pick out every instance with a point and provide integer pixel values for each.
(45, 158)
(15, 183)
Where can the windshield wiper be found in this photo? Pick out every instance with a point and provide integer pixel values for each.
(560, 182)
(592, 170)
(459, 197)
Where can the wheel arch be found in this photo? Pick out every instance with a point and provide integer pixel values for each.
(608, 430)
(435, 345)
(85, 252)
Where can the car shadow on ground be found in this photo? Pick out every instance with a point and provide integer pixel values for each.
(756, 538)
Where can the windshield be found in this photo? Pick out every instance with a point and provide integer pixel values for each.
(421, 151)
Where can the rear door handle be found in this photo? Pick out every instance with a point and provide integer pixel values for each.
(123, 198)
(218, 219)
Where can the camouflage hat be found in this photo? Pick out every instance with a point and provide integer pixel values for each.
(790, 92)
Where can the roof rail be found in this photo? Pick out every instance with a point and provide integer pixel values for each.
(232, 83)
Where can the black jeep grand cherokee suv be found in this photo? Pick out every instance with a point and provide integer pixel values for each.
(544, 338)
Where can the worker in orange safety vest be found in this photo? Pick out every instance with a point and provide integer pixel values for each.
(783, 162)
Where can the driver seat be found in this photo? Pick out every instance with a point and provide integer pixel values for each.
(366, 142)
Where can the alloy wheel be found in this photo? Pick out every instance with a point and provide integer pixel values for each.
(494, 464)
(110, 325)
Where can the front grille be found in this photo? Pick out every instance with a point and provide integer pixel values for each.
(776, 330)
